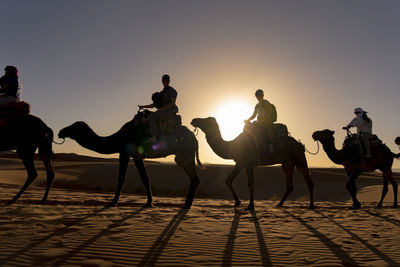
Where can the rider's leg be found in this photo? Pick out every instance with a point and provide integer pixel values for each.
(367, 145)
(154, 118)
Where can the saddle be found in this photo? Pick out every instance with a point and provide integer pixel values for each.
(355, 139)
(166, 125)
(266, 135)
(13, 109)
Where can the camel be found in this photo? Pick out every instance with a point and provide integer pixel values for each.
(244, 151)
(350, 156)
(129, 143)
(397, 140)
(25, 134)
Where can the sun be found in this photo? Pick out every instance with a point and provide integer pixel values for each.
(230, 117)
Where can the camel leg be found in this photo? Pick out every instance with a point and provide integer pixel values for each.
(384, 188)
(394, 185)
(351, 187)
(250, 184)
(50, 177)
(123, 165)
(190, 169)
(306, 174)
(229, 181)
(288, 169)
(145, 180)
(32, 174)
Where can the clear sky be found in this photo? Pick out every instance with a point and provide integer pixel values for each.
(316, 61)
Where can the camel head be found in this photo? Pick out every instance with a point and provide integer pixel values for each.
(205, 123)
(74, 130)
(397, 141)
(323, 136)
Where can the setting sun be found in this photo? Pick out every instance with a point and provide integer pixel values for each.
(230, 117)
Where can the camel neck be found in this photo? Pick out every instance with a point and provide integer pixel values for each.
(335, 155)
(221, 147)
(103, 145)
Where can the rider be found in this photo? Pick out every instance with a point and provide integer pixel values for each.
(9, 86)
(266, 116)
(167, 108)
(364, 128)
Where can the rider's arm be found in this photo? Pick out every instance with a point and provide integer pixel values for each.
(354, 123)
(147, 106)
(253, 116)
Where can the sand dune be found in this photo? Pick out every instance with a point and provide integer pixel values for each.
(80, 233)
(74, 228)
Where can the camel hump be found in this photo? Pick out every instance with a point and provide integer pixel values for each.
(13, 109)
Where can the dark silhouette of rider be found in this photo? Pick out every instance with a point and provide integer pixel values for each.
(263, 126)
(9, 86)
(165, 109)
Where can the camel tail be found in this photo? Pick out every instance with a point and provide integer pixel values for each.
(46, 148)
(197, 156)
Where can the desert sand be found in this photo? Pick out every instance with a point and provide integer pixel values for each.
(75, 229)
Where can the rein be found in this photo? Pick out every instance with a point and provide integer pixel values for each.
(311, 152)
(60, 142)
(196, 131)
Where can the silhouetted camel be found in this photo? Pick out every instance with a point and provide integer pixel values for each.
(127, 142)
(243, 150)
(26, 133)
(351, 157)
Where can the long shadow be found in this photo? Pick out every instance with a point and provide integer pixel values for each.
(332, 246)
(58, 231)
(228, 252)
(394, 221)
(373, 249)
(265, 257)
(154, 252)
(73, 252)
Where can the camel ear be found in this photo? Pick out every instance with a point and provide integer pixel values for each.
(333, 132)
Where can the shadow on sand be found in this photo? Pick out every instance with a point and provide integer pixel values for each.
(342, 255)
(373, 249)
(154, 252)
(58, 232)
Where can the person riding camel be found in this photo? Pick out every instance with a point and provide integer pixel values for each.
(9, 86)
(266, 116)
(364, 128)
(164, 101)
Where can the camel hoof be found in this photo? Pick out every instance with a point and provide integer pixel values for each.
(147, 205)
(10, 202)
(379, 206)
(312, 207)
(279, 205)
(355, 206)
(394, 206)
(186, 207)
(237, 203)
(250, 207)
(111, 205)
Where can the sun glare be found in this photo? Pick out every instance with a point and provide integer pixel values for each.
(230, 117)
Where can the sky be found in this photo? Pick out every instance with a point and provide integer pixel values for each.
(316, 61)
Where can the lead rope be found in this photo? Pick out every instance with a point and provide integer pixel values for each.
(311, 152)
(196, 131)
(60, 142)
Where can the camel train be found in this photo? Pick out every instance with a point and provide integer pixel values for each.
(26, 133)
